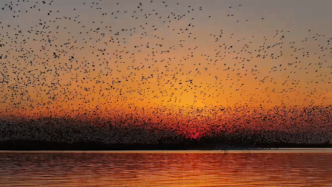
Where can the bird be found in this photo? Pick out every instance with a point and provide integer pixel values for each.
(163, 58)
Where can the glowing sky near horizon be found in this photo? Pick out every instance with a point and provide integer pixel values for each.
(164, 54)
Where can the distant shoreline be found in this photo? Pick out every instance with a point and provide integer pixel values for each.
(224, 152)
(23, 145)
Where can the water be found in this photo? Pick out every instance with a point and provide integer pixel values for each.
(283, 167)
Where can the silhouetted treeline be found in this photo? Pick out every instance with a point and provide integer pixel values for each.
(275, 127)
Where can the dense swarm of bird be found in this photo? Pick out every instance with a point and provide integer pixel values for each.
(157, 55)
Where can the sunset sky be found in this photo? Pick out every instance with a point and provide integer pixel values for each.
(75, 56)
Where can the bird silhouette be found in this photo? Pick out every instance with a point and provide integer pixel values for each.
(163, 56)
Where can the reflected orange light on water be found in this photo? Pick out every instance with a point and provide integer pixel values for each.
(167, 169)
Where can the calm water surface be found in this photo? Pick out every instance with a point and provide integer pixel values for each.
(288, 167)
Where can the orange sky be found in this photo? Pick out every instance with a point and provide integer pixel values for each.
(175, 65)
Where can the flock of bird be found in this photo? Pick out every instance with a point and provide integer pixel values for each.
(159, 62)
